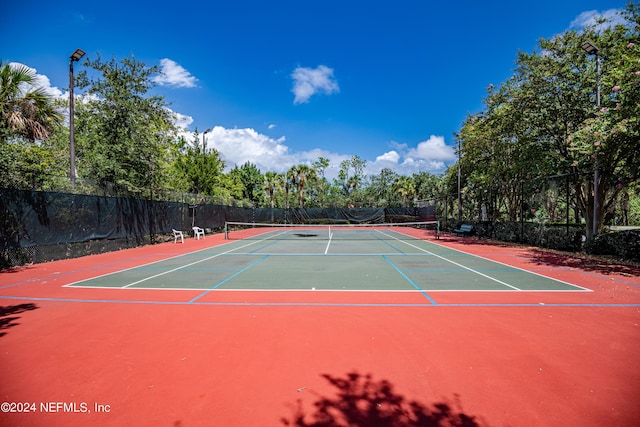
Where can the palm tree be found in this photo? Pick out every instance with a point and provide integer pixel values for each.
(289, 178)
(272, 181)
(302, 173)
(406, 188)
(25, 110)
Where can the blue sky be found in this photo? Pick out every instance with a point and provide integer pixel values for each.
(284, 82)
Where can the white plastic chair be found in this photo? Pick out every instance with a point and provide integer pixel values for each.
(177, 234)
(197, 232)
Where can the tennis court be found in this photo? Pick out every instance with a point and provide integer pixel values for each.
(384, 258)
(321, 326)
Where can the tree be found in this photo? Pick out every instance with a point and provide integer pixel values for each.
(405, 186)
(427, 185)
(251, 178)
(351, 178)
(289, 180)
(321, 166)
(609, 139)
(123, 133)
(26, 111)
(272, 184)
(321, 187)
(28, 117)
(301, 174)
(199, 171)
(381, 187)
(541, 122)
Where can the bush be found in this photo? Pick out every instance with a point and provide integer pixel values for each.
(543, 235)
(623, 244)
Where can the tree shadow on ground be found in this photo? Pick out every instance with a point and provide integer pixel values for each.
(583, 262)
(8, 318)
(360, 401)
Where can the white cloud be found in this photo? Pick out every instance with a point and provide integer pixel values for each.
(433, 149)
(592, 17)
(390, 156)
(238, 146)
(40, 82)
(173, 74)
(181, 120)
(310, 81)
(272, 126)
(431, 156)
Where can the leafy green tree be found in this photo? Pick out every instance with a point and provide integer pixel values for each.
(496, 155)
(123, 132)
(28, 165)
(380, 188)
(200, 171)
(541, 122)
(427, 185)
(610, 138)
(351, 179)
(251, 178)
(320, 188)
(321, 166)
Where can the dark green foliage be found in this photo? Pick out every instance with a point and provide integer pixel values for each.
(123, 133)
(623, 244)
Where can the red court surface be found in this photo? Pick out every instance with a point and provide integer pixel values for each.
(123, 357)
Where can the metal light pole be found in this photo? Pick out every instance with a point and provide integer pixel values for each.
(204, 144)
(459, 193)
(75, 56)
(591, 49)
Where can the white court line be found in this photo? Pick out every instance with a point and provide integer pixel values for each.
(501, 263)
(137, 266)
(518, 268)
(453, 262)
(328, 243)
(189, 265)
(73, 284)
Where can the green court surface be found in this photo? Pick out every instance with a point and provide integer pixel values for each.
(383, 262)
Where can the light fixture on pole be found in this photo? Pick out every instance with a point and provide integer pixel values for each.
(75, 56)
(204, 144)
(591, 49)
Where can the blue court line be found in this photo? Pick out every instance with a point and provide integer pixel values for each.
(311, 304)
(388, 244)
(409, 280)
(273, 242)
(256, 262)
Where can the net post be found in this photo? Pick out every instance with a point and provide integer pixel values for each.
(437, 230)
(226, 233)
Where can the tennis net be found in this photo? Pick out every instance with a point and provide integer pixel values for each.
(403, 231)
